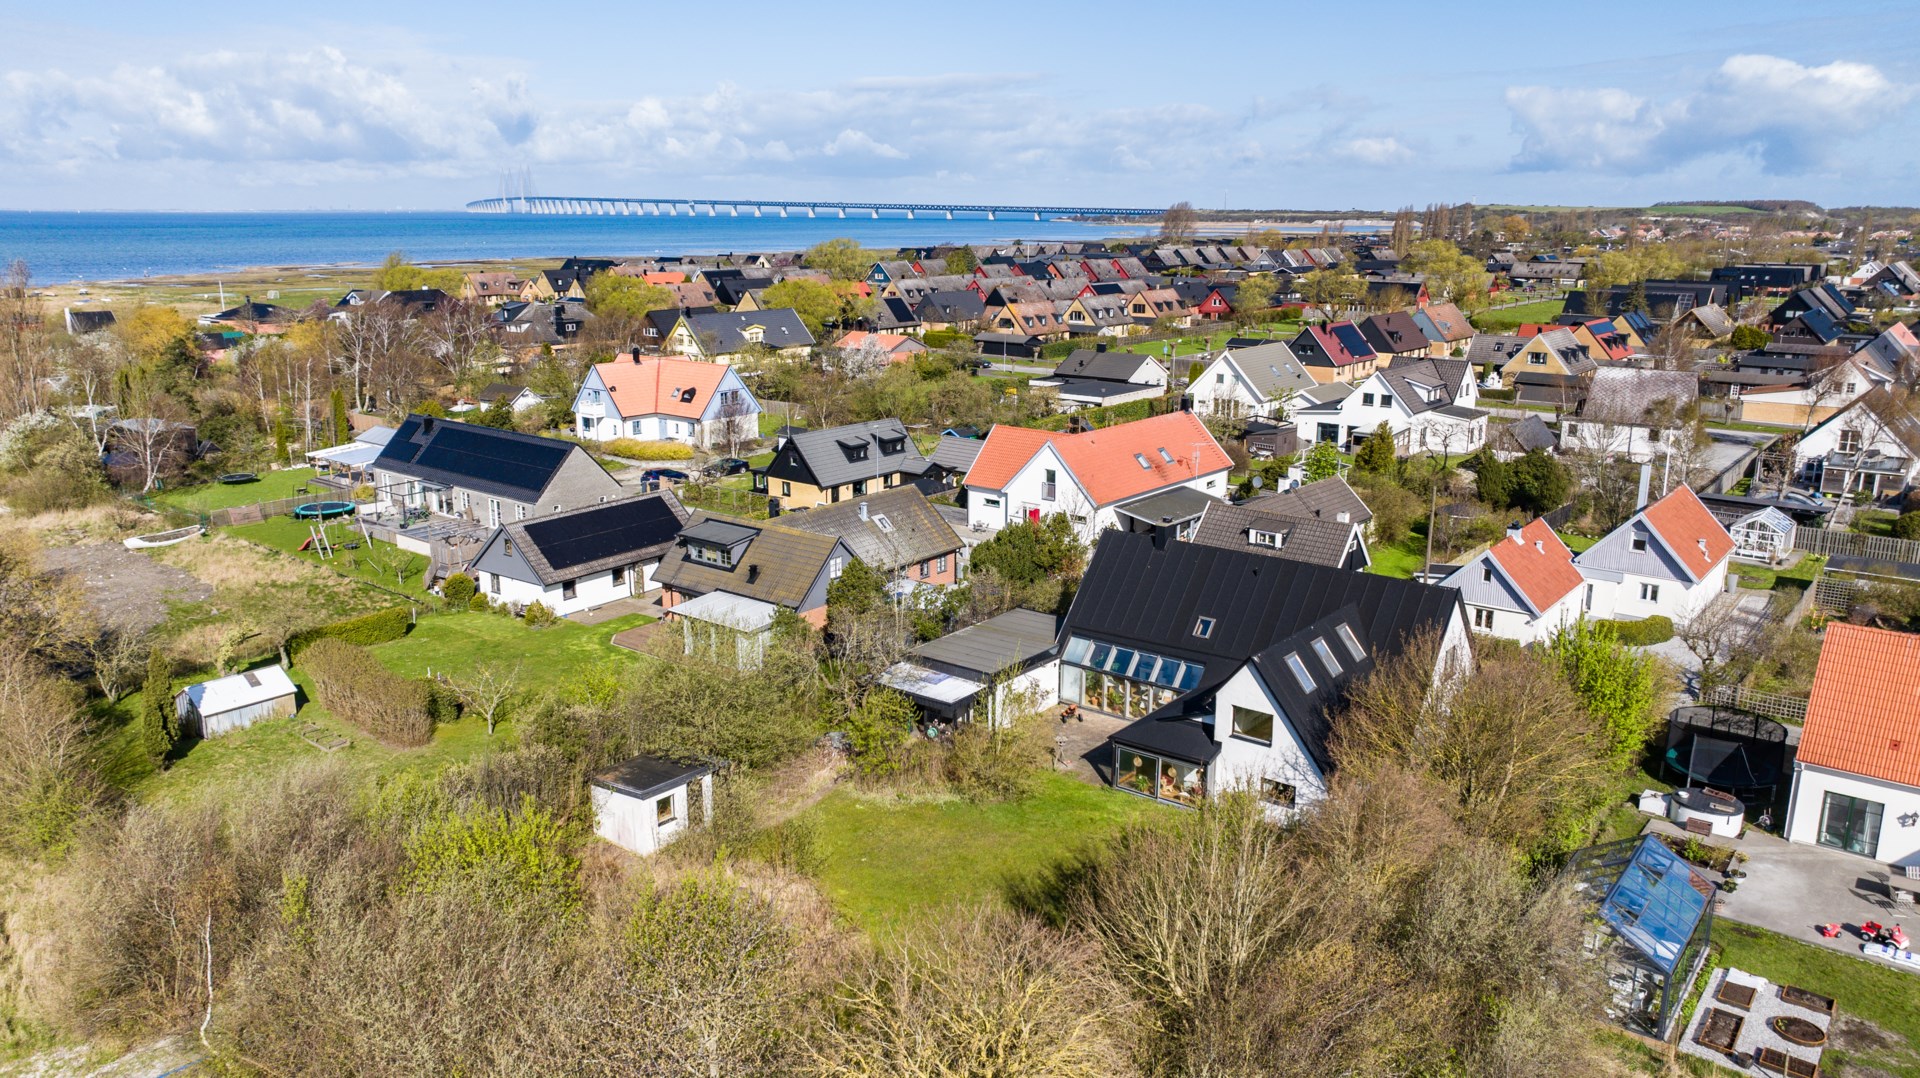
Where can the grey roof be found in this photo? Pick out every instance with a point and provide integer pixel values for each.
(566, 546)
(1272, 368)
(1527, 434)
(717, 530)
(1627, 394)
(1712, 318)
(1016, 639)
(956, 454)
(828, 453)
(1171, 506)
(779, 564)
(1444, 376)
(955, 306)
(1103, 390)
(645, 776)
(1325, 500)
(1308, 539)
(900, 527)
(1085, 364)
(1459, 411)
(727, 329)
(1495, 348)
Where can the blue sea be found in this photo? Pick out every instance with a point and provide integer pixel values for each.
(62, 247)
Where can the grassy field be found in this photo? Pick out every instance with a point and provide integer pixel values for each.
(1506, 318)
(374, 562)
(1887, 997)
(454, 644)
(210, 496)
(887, 863)
(255, 585)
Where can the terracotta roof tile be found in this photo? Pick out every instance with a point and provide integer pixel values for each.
(1863, 715)
(1689, 530)
(1537, 563)
(1107, 461)
(647, 387)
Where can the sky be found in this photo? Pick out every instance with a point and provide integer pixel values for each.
(1252, 105)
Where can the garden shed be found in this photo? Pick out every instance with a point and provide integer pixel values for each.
(236, 702)
(646, 802)
(1651, 920)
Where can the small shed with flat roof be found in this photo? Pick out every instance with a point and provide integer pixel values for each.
(647, 802)
(1014, 653)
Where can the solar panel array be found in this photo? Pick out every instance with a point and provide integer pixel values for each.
(606, 531)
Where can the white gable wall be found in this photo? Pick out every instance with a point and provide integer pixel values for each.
(1242, 763)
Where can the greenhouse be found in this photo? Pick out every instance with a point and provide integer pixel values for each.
(1652, 916)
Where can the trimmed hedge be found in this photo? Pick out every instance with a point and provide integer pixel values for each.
(353, 685)
(947, 338)
(378, 627)
(1640, 633)
(636, 449)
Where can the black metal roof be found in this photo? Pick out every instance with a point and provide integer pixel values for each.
(1262, 609)
(501, 462)
(644, 776)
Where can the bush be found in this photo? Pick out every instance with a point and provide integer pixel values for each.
(1654, 630)
(353, 685)
(636, 449)
(479, 603)
(1000, 763)
(539, 616)
(1907, 525)
(947, 338)
(366, 630)
(459, 589)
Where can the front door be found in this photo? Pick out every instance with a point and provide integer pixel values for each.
(1033, 515)
(1851, 824)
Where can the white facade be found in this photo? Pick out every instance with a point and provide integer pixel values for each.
(1247, 764)
(1223, 389)
(1375, 401)
(598, 418)
(586, 593)
(1635, 576)
(1897, 839)
(1044, 486)
(1497, 607)
(1854, 431)
(643, 825)
(1636, 443)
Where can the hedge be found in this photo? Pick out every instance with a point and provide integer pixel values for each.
(352, 684)
(1063, 349)
(1640, 633)
(378, 627)
(636, 449)
(947, 338)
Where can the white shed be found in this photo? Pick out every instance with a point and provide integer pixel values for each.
(226, 704)
(646, 802)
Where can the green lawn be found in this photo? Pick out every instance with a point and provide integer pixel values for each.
(454, 644)
(1887, 997)
(1577, 543)
(373, 561)
(888, 863)
(1506, 318)
(210, 496)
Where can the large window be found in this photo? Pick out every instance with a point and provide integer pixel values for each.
(1851, 823)
(1120, 680)
(1252, 725)
(711, 555)
(1175, 781)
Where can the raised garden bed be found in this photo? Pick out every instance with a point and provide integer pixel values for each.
(1721, 1030)
(1735, 995)
(1798, 1030)
(1800, 997)
(1773, 1059)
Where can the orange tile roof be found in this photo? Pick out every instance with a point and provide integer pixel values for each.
(1107, 461)
(1537, 563)
(646, 386)
(859, 338)
(1689, 530)
(1863, 715)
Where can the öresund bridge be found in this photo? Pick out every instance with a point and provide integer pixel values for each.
(735, 207)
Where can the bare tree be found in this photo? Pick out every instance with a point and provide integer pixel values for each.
(1724, 640)
(489, 690)
(1179, 221)
(454, 336)
(153, 447)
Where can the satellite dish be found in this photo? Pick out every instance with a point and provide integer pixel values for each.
(1259, 481)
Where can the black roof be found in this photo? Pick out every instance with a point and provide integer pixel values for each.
(644, 776)
(603, 531)
(500, 462)
(1145, 596)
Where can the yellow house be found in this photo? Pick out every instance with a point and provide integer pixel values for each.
(549, 285)
(1556, 351)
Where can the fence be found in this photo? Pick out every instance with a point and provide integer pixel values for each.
(1855, 545)
(1772, 705)
(1835, 595)
(259, 511)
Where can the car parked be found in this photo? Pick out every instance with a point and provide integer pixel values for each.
(665, 475)
(726, 466)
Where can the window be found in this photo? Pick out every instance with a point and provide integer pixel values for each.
(1142, 459)
(1345, 633)
(1252, 725)
(493, 512)
(1849, 441)
(1386, 400)
(1299, 669)
(1639, 544)
(1851, 824)
(1321, 649)
(926, 569)
(493, 583)
(711, 555)
(1486, 572)
(569, 589)
(508, 542)
(1047, 485)
(1220, 379)
(663, 810)
(786, 488)
(835, 566)
(859, 487)
(1537, 360)
(940, 564)
(1275, 792)
(1166, 456)
(1256, 537)
(1203, 628)
(1483, 618)
(519, 512)
(1366, 399)
(880, 521)
(990, 503)
(1650, 593)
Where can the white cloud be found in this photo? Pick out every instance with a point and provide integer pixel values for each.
(1379, 151)
(859, 143)
(1792, 118)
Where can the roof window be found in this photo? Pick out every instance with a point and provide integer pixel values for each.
(1345, 633)
(1203, 628)
(1166, 456)
(880, 521)
(1300, 674)
(1142, 458)
(1321, 649)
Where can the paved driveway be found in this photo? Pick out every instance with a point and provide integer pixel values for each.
(1790, 888)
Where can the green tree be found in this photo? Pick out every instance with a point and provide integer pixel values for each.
(1334, 286)
(520, 862)
(1452, 275)
(1322, 461)
(1747, 338)
(630, 297)
(337, 414)
(1623, 689)
(1540, 482)
(1907, 525)
(1493, 481)
(1375, 455)
(499, 414)
(1253, 298)
(962, 260)
(842, 258)
(1029, 552)
(159, 726)
(858, 590)
(815, 302)
(1637, 298)
(878, 730)
(396, 274)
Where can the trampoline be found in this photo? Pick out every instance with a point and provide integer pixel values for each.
(236, 478)
(1723, 763)
(321, 510)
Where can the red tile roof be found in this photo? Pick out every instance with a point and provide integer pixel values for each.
(1863, 715)
(1537, 563)
(647, 387)
(1689, 530)
(1107, 461)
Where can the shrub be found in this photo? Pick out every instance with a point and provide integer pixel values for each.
(479, 603)
(459, 589)
(945, 338)
(878, 731)
(1003, 762)
(443, 703)
(1654, 630)
(366, 630)
(1907, 525)
(353, 685)
(539, 616)
(636, 449)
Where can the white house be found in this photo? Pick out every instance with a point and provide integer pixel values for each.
(666, 399)
(235, 702)
(1872, 446)
(1429, 404)
(1856, 775)
(1633, 413)
(582, 559)
(1669, 559)
(1243, 382)
(1524, 587)
(1025, 474)
(646, 802)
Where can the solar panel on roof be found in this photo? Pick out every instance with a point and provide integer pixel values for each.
(606, 531)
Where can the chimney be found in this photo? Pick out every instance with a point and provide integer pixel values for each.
(1100, 347)
(426, 424)
(1540, 545)
(1646, 481)
(1513, 530)
(753, 572)
(863, 510)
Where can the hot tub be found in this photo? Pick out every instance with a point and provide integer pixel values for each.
(1723, 813)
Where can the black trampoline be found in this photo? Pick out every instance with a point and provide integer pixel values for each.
(1727, 750)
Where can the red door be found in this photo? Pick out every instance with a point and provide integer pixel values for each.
(1033, 516)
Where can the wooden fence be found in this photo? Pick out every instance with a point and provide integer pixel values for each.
(1835, 595)
(1855, 545)
(1773, 705)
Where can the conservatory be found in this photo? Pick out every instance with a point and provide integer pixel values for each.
(1652, 915)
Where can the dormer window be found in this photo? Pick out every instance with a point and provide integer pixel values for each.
(711, 555)
(1256, 537)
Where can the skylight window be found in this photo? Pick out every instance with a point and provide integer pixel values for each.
(880, 521)
(1321, 649)
(1142, 458)
(1166, 456)
(1345, 633)
(1203, 628)
(1299, 668)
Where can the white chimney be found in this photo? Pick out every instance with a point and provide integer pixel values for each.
(1513, 531)
(1646, 481)
(863, 510)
